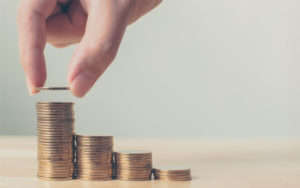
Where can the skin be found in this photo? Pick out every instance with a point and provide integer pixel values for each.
(97, 25)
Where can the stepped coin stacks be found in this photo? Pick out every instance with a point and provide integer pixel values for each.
(64, 156)
(94, 157)
(172, 173)
(133, 165)
(55, 129)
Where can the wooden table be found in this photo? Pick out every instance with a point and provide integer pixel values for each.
(214, 163)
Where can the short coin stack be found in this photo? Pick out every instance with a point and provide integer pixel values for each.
(94, 157)
(55, 129)
(133, 165)
(172, 173)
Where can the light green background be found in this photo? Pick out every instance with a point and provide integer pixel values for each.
(194, 68)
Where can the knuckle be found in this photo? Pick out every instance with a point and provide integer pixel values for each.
(104, 52)
(20, 13)
(108, 51)
(24, 17)
(98, 59)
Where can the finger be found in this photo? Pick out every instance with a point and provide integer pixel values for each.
(57, 10)
(32, 38)
(65, 29)
(106, 24)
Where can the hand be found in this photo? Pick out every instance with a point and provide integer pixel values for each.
(97, 25)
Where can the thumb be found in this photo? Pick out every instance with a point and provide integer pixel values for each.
(106, 24)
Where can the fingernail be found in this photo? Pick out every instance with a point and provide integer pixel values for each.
(82, 83)
(32, 90)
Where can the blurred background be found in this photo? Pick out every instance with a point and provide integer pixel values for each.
(188, 69)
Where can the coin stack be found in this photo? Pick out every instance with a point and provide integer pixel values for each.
(55, 129)
(172, 173)
(94, 157)
(133, 165)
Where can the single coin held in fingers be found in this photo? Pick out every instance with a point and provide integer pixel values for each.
(53, 88)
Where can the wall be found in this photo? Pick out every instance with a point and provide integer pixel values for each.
(202, 68)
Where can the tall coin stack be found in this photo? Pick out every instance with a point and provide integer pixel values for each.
(94, 157)
(55, 128)
(172, 173)
(133, 165)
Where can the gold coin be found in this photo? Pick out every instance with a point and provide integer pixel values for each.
(172, 173)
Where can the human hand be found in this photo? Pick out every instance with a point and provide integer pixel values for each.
(97, 25)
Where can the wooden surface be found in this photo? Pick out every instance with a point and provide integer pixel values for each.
(214, 163)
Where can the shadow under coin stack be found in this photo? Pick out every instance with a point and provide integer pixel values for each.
(172, 173)
(133, 165)
(55, 129)
(94, 157)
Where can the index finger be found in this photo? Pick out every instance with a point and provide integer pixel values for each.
(32, 15)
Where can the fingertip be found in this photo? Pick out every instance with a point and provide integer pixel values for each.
(32, 90)
(76, 93)
(34, 79)
(35, 91)
(82, 83)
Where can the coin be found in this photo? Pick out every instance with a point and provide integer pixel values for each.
(53, 88)
(172, 173)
